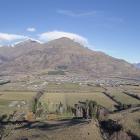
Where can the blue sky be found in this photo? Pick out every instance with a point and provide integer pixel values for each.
(112, 26)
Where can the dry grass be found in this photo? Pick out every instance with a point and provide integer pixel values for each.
(130, 121)
(72, 87)
(123, 98)
(53, 99)
(7, 97)
(133, 89)
(72, 98)
(59, 130)
(16, 95)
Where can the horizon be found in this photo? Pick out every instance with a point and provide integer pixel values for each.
(97, 24)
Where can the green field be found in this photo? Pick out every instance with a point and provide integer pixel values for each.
(133, 89)
(72, 98)
(72, 87)
(7, 97)
(52, 87)
(67, 94)
(123, 98)
(53, 99)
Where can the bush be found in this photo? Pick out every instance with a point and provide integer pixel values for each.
(59, 72)
(62, 67)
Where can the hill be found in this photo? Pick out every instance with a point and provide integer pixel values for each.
(137, 65)
(64, 55)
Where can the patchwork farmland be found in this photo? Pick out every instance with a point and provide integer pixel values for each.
(68, 95)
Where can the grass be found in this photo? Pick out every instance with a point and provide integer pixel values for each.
(53, 99)
(72, 87)
(59, 116)
(4, 102)
(80, 93)
(123, 98)
(51, 87)
(7, 97)
(17, 95)
(133, 89)
(72, 98)
(130, 121)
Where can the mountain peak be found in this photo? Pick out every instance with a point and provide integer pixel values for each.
(64, 41)
(27, 41)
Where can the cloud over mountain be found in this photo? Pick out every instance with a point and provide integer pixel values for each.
(11, 37)
(48, 36)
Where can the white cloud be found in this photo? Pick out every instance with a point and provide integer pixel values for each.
(77, 14)
(116, 19)
(4, 37)
(31, 29)
(48, 36)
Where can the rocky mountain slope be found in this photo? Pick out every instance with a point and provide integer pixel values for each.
(65, 54)
(137, 65)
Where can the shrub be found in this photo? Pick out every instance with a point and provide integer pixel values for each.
(58, 72)
(62, 67)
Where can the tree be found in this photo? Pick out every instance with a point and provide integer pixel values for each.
(35, 101)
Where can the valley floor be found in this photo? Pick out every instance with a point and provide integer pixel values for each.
(57, 130)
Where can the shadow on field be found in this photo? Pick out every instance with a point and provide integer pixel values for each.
(52, 125)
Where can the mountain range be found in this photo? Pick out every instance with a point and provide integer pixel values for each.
(137, 65)
(31, 56)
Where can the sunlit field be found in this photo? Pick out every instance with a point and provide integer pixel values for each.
(53, 99)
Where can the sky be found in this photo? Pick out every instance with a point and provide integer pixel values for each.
(111, 26)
